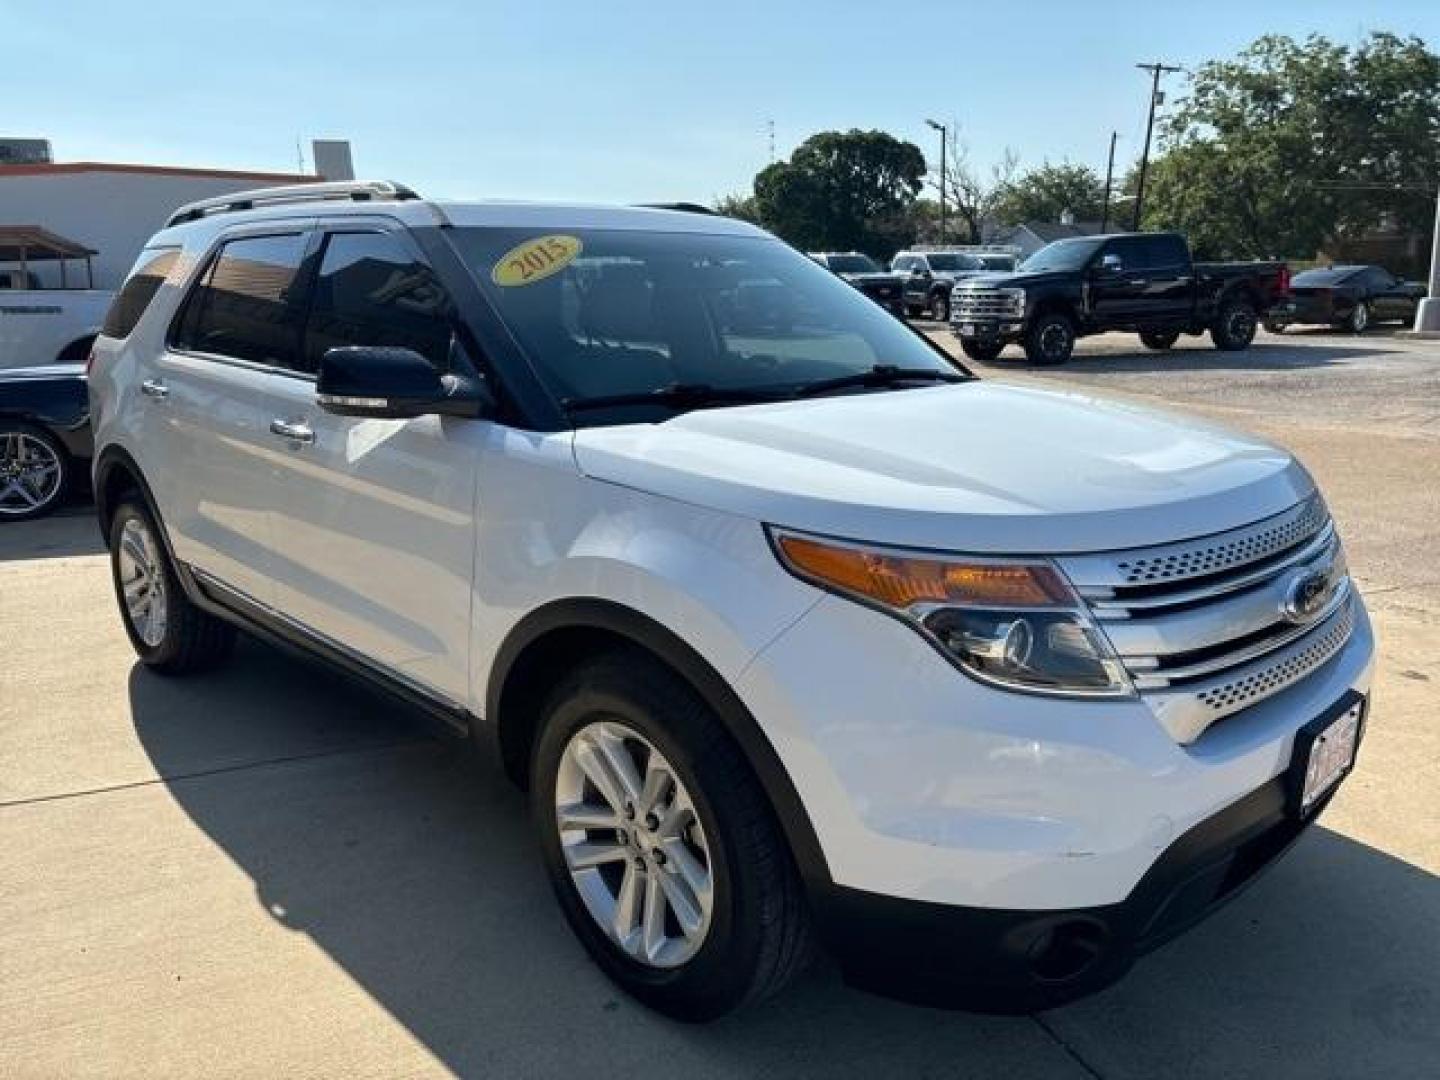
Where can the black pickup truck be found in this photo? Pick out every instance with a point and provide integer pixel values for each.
(1145, 283)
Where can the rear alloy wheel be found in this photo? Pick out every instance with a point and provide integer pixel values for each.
(1235, 325)
(983, 352)
(169, 633)
(1359, 320)
(661, 846)
(940, 307)
(1050, 340)
(34, 472)
(1159, 339)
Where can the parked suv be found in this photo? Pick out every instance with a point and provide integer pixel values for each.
(794, 631)
(929, 278)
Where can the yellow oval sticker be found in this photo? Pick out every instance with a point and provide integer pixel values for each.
(535, 259)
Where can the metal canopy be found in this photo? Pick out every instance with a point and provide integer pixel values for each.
(28, 244)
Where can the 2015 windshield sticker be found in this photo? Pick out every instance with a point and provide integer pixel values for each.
(535, 259)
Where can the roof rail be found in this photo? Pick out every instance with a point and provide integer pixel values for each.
(685, 207)
(351, 190)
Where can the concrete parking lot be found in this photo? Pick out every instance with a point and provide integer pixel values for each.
(269, 872)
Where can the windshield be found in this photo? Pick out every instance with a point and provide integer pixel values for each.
(1330, 275)
(951, 263)
(1062, 255)
(998, 262)
(851, 264)
(611, 312)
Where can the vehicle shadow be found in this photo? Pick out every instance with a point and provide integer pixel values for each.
(1186, 356)
(411, 865)
(68, 532)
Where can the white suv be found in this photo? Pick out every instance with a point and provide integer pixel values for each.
(794, 631)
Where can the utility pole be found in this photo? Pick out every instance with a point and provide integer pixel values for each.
(770, 125)
(1427, 313)
(1156, 70)
(1109, 175)
(943, 178)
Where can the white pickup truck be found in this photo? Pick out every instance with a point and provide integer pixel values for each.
(46, 326)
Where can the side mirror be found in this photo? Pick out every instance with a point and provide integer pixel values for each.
(1111, 264)
(395, 384)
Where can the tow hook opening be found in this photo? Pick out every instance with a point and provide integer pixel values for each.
(1066, 950)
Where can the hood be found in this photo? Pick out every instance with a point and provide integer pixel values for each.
(974, 466)
(1020, 279)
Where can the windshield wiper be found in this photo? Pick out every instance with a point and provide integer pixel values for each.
(677, 396)
(881, 375)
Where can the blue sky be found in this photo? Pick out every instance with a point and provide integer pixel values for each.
(610, 100)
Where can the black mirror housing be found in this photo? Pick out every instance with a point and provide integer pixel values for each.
(395, 383)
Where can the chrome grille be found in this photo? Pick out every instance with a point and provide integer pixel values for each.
(986, 302)
(1202, 626)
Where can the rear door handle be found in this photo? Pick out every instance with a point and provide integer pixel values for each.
(154, 388)
(296, 431)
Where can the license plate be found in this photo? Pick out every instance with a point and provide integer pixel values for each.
(968, 329)
(1328, 747)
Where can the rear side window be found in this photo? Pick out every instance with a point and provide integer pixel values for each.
(1165, 252)
(371, 291)
(150, 271)
(247, 305)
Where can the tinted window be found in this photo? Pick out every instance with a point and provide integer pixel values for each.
(1062, 255)
(1330, 275)
(371, 291)
(247, 304)
(139, 289)
(1377, 279)
(1164, 252)
(953, 263)
(1131, 250)
(851, 264)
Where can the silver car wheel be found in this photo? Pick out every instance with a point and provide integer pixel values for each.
(30, 473)
(142, 582)
(633, 844)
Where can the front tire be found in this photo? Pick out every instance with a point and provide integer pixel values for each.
(660, 844)
(1359, 320)
(1235, 325)
(982, 352)
(170, 634)
(1159, 340)
(940, 307)
(34, 472)
(1050, 340)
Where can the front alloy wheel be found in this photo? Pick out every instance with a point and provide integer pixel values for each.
(633, 844)
(940, 307)
(142, 581)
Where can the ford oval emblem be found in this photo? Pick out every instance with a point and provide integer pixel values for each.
(1306, 595)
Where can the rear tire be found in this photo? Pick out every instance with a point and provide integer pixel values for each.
(1360, 319)
(1050, 340)
(626, 707)
(1159, 339)
(982, 352)
(170, 634)
(1235, 325)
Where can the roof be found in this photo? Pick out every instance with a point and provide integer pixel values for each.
(38, 244)
(71, 167)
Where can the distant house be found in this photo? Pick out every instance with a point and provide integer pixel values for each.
(1031, 236)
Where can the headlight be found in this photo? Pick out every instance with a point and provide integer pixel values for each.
(1017, 300)
(1011, 623)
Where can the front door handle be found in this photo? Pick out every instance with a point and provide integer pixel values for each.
(154, 388)
(295, 431)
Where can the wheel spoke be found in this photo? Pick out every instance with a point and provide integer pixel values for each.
(627, 906)
(682, 902)
(591, 853)
(597, 770)
(674, 820)
(688, 868)
(583, 815)
(654, 919)
(620, 763)
(657, 784)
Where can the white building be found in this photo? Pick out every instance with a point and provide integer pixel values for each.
(114, 209)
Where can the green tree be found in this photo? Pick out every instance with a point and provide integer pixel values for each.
(842, 191)
(1294, 145)
(738, 206)
(1048, 191)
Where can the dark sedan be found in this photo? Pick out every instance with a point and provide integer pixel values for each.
(885, 288)
(45, 440)
(1347, 297)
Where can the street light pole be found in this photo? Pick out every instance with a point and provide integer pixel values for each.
(1155, 70)
(1109, 175)
(1427, 312)
(943, 131)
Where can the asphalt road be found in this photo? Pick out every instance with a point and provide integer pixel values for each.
(268, 872)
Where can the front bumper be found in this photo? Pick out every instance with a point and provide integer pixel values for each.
(988, 330)
(1015, 960)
